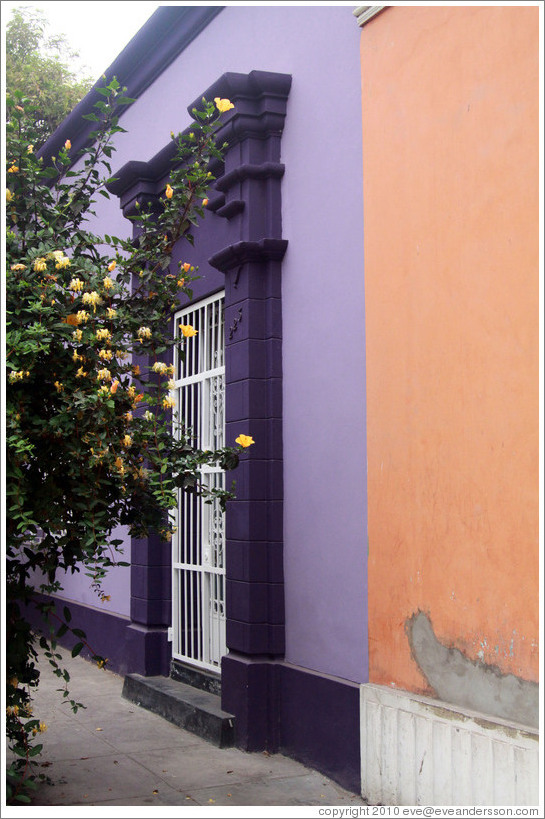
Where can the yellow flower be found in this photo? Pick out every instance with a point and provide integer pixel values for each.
(77, 334)
(62, 262)
(119, 465)
(128, 416)
(168, 403)
(168, 192)
(102, 663)
(104, 375)
(43, 727)
(188, 330)
(9, 195)
(59, 387)
(76, 357)
(127, 441)
(244, 440)
(186, 267)
(144, 332)
(18, 267)
(111, 312)
(105, 355)
(81, 373)
(111, 266)
(107, 283)
(76, 284)
(115, 385)
(13, 169)
(30, 149)
(92, 298)
(82, 315)
(67, 145)
(40, 265)
(204, 202)
(160, 367)
(103, 333)
(171, 384)
(223, 105)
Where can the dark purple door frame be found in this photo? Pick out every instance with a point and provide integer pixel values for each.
(247, 250)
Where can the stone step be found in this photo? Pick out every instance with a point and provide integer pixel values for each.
(190, 708)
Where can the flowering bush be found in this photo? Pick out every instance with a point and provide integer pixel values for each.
(91, 438)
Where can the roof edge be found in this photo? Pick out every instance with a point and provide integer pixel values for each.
(169, 30)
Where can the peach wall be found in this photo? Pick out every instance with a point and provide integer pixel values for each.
(450, 147)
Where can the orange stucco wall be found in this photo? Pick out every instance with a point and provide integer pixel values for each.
(450, 147)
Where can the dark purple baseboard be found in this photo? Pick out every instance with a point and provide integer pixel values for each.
(130, 648)
(320, 723)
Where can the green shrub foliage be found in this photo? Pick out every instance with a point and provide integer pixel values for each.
(92, 441)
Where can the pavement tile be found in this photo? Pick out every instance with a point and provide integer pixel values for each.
(311, 789)
(116, 753)
(84, 781)
(204, 765)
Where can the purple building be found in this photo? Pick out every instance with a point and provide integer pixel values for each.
(266, 606)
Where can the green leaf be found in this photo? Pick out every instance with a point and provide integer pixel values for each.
(77, 649)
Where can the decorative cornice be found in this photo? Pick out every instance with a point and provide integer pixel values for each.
(240, 253)
(366, 13)
(260, 100)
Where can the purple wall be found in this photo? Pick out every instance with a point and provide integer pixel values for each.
(325, 516)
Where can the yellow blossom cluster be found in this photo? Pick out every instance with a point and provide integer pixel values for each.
(92, 298)
(111, 312)
(82, 315)
(18, 375)
(188, 330)
(40, 264)
(160, 367)
(105, 355)
(61, 261)
(107, 283)
(104, 375)
(103, 334)
(76, 285)
(78, 335)
(169, 402)
(144, 332)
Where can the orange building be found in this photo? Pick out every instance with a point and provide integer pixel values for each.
(451, 241)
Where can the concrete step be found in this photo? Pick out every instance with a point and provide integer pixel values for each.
(191, 708)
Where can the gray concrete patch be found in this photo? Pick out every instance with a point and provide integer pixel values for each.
(475, 685)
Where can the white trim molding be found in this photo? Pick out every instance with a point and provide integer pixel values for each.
(365, 13)
(420, 751)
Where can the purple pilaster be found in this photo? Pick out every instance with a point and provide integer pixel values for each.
(249, 197)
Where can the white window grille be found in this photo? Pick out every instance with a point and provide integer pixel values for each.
(198, 593)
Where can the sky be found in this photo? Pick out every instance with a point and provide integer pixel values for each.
(98, 29)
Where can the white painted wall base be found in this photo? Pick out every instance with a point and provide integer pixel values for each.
(420, 751)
